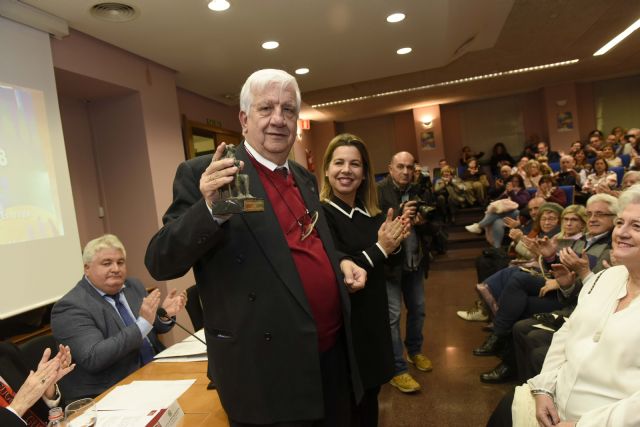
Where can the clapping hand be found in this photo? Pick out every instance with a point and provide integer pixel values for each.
(174, 302)
(515, 234)
(392, 232)
(65, 366)
(575, 263)
(549, 285)
(512, 223)
(563, 276)
(150, 305)
(42, 382)
(547, 247)
(531, 244)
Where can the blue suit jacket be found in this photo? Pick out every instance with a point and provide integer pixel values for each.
(104, 349)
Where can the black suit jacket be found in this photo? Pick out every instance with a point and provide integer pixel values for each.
(14, 373)
(261, 336)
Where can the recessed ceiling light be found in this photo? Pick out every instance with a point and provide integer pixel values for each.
(301, 71)
(270, 45)
(395, 17)
(617, 39)
(218, 5)
(403, 50)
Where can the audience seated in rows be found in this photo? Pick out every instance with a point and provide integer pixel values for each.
(549, 192)
(508, 204)
(499, 157)
(477, 181)
(451, 194)
(609, 155)
(525, 294)
(468, 154)
(601, 177)
(544, 151)
(590, 374)
(532, 174)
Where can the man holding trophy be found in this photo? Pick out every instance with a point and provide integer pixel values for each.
(274, 291)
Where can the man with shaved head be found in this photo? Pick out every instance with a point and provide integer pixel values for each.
(406, 277)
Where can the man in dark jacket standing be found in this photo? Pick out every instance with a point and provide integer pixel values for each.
(406, 279)
(273, 289)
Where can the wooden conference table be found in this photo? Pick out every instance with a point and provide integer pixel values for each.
(202, 407)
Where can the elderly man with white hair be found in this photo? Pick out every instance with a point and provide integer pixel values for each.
(273, 288)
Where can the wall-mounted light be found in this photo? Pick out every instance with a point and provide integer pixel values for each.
(427, 121)
(561, 102)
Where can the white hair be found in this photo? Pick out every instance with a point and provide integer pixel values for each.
(260, 79)
(614, 206)
(630, 196)
(107, 241)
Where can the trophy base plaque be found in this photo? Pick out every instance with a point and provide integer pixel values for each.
(237, 205)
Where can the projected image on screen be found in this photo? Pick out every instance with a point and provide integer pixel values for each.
(29, 203)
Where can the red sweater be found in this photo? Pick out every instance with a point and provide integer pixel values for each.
(313, 265)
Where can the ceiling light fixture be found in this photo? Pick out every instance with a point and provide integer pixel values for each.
(617, 39)
(395, 17)
(301, 71)
(403, 50)
(448, 83)
(218, 5)
(270, 45)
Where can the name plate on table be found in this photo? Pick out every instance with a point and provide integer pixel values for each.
(165, 417)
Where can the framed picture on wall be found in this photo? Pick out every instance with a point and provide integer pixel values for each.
(427, 140)
(200, 139)
(565, 121)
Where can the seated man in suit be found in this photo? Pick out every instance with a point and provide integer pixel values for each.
(25, 397)
(108, 320)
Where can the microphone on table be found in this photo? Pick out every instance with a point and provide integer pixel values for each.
(162, 314)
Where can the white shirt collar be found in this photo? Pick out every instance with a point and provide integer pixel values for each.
(264, 162)
(348, 211)
(102, 294)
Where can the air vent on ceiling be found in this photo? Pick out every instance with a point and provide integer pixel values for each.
(114, 12)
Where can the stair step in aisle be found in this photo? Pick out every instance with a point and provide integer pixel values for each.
(463, 247)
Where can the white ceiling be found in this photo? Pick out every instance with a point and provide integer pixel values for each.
(350, 48)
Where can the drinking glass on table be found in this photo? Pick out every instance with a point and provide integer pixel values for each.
(81, 413)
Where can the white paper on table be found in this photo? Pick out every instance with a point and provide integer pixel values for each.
(124, 418)
(199, 334)
(144, 395)
(187, 347)
(183, 359)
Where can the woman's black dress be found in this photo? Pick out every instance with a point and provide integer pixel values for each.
(355, 233)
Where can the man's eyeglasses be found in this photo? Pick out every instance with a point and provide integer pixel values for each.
(599, 214)
(306, 223)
